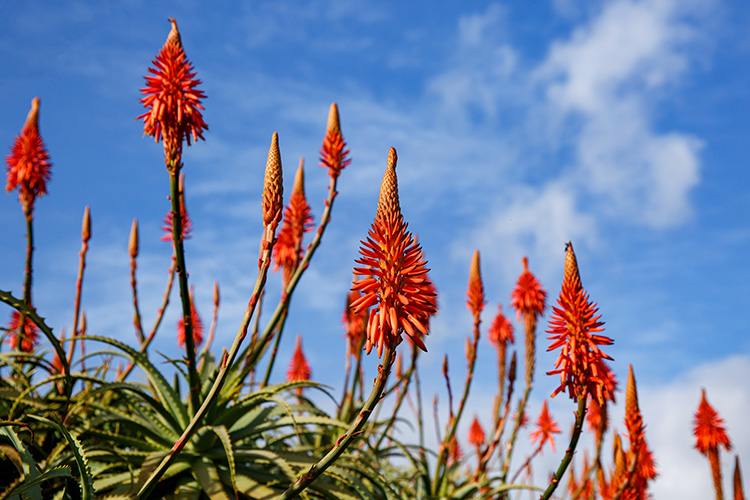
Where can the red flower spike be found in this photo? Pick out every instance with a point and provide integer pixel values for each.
(501, 330)
(28, 164)
(545, 428)
(646, 468)
(476, 433)
(528, 298)
(296, 222)
(22, 332)
(171, 97)
(354, 323)
(574, 328)
(393, 277)
(475, 294)
(197, 326)
(333, 153)
(299, 368)
(709, 430)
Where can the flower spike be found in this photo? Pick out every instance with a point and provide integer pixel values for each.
(299, 368)
(333, 153)
(545, 428)
(475, 294)
(574, 327)
(273, 187)
(393, 277)
(28, 164)
(197, 325)
(172, 99)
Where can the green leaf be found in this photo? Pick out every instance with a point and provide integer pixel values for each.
(164, 392)
(86, 481)
(30, 312)
(207, 476)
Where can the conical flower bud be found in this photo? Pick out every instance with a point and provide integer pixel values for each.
(273, 188)
(388, 202)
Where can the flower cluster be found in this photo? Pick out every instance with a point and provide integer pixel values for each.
(393, 280)
(296, 222)
(28, 164)
(172, 98)
(333, 154)
(573, 327)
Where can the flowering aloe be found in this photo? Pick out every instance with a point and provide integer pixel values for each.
(172, 98)
(710, 435)
(574, 328)
(333, 153)
(296, 222)
(23, 334)
(546, 427)
(28, 163)
(197, 326)
(299, 368)
(394, 277)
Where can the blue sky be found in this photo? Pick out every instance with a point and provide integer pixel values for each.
(621, 125)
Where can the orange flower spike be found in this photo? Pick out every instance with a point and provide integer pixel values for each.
(501, 330)
(646, 468)
(709, 430)
(22, 332)
(171, 96)
(710, 435)
(299, 368)
(545, 428)
(333, 153)
(574, 326)
(476, 433)
(28, 164)
(297, 221)
(197, 325)
(528, 298)
(475, 294)
(393, 280)
(273, 188)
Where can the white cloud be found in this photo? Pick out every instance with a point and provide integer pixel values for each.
(603, 80)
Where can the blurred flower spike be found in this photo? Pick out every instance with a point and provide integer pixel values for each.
(299, 368)
(574, 329)
(333, 154)
(172, 98)
(197, 326)
(28, 163)
(393, 280)
(545, 428)
(23, 334)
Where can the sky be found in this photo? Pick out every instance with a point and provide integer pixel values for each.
(621, 126)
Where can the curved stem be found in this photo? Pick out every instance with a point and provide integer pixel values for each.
(352, 433)
(577, 427)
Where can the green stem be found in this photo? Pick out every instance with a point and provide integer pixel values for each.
(226, 364)
(29, 253)
(352, 433)
(275, 350)
(182, 279)
(578, 426)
